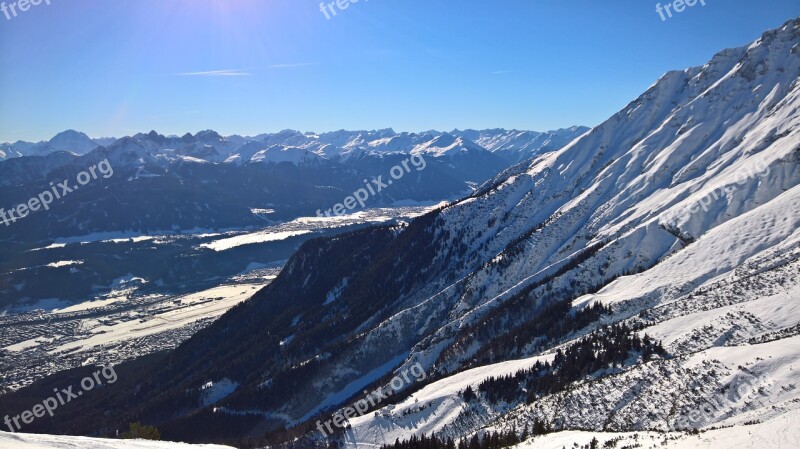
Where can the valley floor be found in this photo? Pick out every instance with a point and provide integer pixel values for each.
(112, 333)
(139, 317)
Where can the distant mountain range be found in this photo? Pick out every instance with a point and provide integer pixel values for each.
(511, 145)
(209, 181)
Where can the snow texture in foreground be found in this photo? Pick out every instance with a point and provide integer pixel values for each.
(28, 441)
(779, 433)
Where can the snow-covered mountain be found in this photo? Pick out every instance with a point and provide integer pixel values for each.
(517, 146)
(68, 141)
(642, 278)
(680, 214)
(677, 221)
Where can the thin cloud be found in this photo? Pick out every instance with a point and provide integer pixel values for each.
(230, 72)
(502, 72)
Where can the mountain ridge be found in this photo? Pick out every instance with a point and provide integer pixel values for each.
(79, 143)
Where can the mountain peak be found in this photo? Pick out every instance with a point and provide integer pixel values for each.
(70, 137)
(70, 140)
(208, 135)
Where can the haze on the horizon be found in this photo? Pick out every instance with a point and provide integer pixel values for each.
(252, 66)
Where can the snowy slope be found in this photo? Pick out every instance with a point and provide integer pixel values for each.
(739, 330)
(778, 433)
(27, 441)
(742, 320)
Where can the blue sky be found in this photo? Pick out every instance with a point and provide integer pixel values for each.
(111, 68)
